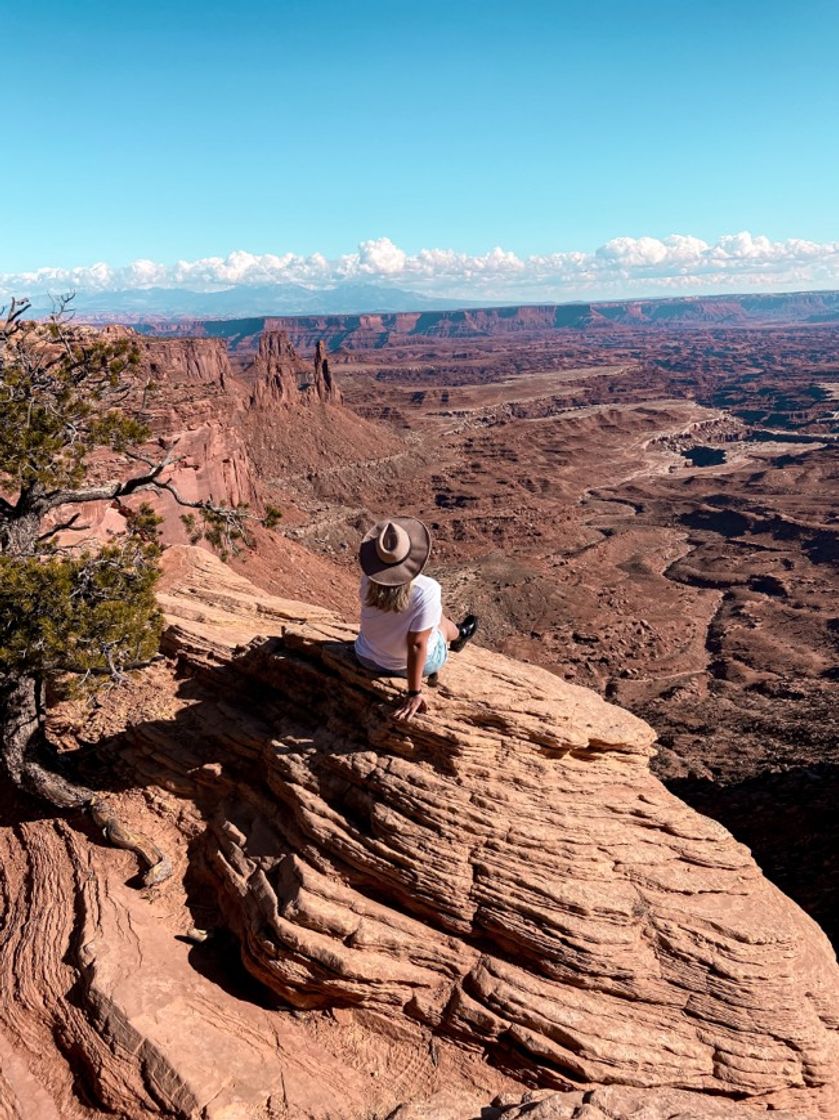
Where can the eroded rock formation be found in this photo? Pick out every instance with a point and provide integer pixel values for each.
(236, 433)
(280, 377)
(324, 386)
(275, 372)
(506, 872)
(494, 911)
(503, 878)
(364, 331)
(193, 360)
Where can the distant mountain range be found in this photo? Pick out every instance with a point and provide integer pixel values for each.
(239, 302)
(358, 309)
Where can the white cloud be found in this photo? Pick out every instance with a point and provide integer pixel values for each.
(624, 266)
(381, 258)
(634, 252)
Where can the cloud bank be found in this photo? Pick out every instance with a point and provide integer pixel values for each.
(622, 267)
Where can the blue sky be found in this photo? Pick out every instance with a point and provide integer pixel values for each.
(190, 130)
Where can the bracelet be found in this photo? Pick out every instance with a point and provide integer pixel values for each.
(415, 692)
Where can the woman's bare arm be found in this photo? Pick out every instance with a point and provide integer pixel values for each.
(417, 655)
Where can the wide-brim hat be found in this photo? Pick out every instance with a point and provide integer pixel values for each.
(395, 550)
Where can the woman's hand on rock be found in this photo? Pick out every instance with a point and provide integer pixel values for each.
(409, 707)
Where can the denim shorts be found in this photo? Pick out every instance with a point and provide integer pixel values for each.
(438, 652)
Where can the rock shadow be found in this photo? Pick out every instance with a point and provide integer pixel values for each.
(285, 694)
(790, 823)
(219, 960)
(292, 693)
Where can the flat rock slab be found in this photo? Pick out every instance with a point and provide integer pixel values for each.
(200, 1051)
(21, 1096)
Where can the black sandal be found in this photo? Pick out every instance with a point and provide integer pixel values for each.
(466, 631)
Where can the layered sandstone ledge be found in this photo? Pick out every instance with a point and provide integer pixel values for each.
(494, 912)
(504, 871)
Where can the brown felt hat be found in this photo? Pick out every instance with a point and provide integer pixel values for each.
(394, 551)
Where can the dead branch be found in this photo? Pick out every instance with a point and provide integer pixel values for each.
(157, 863)
(63, 526)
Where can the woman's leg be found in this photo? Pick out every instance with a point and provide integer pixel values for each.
(449, 629)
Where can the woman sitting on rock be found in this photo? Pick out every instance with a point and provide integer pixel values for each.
(403, 631)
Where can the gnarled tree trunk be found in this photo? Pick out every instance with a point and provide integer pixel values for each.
(23, 740)
(24, 755)
(24, 748)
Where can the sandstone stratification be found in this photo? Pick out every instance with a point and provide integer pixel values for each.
(107, 1010)
(611, 1103)
(505, 871)
(499, 896)
(186, 361)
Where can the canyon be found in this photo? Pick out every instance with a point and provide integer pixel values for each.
(566, 486)
(529, 902)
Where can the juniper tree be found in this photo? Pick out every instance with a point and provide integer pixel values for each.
(68, 422)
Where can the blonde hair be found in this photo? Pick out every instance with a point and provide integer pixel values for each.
(383, 598)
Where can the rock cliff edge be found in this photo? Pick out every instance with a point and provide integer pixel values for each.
(500, 893)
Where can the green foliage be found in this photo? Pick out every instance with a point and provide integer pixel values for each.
(271, 517)
(66, 392)
(61, 393)
(225, 529)
(92, 613)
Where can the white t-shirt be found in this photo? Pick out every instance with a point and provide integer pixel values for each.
(383, 635)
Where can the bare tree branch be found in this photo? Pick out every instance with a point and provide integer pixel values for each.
(151, 480)
(15, 310)
(70, 523)
(200, 503)
(108, 490)
(139, 457)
